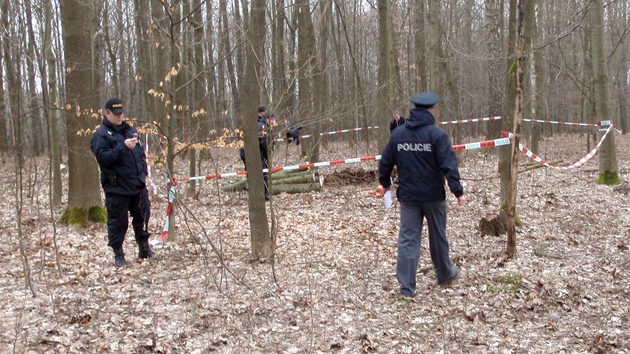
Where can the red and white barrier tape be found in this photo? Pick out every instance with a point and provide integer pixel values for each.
(482, 144)
(473, 120)
(579, 163)
(306, 136)
(565, 123)
(159, 241)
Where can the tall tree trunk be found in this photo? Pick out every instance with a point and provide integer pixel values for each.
(320, 79)
(494, 96)
(306, 63)
(420, 50)
(386, 58)
(52, 98)
(536, 74)
(608, 173)
(280, 93)
(35, 133)
(435, 84)
(507, 122)
(514, 151)
(7, 66)
(80, 79)
(142, 24)
(262, 244)
(229, 61)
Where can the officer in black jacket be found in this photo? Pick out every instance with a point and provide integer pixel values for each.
(123, 166)
(424, 158)
(262, 145)
(396, 122)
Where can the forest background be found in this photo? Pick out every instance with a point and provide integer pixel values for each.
(192, 72)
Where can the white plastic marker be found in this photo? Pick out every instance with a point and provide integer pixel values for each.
(387, 198)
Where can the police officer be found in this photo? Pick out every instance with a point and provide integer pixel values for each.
(423, 156)
(263, 145)
(396, 122)
(293, 133)
(123, 166)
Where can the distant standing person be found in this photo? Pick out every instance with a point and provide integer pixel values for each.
(396, 122)
(123, 166)
(263, 145)
(423, 156)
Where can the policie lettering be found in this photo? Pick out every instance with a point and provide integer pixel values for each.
(422, 147)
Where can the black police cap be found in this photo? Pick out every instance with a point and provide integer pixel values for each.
(425, 99)
(114, 105)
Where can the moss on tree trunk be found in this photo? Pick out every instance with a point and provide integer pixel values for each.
(77, 216)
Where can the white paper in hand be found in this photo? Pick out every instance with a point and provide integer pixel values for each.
(387, 198)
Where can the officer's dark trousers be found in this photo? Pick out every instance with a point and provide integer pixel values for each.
(119, 207)
(265, 165)
(411, 219)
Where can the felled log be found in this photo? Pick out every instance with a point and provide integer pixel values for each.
(295, 188)
(281, 178)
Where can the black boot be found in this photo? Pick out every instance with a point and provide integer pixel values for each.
(144, 250)
(119, 257)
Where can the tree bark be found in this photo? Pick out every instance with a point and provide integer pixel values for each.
(514, 153)
(80, 81)
(608, 173)
(262, 243)
(507, 121)
(495, 66)
(52, 97)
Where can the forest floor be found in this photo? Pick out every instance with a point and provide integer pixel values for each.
(332, 288)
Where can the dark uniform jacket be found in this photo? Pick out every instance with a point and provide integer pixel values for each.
(123, 171)
(423, 155)
(393, 124)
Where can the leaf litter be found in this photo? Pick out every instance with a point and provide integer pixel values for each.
(336, 291)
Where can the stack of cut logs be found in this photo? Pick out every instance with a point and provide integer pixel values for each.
(285, 182)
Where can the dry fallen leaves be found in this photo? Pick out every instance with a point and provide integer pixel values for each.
(567, 291)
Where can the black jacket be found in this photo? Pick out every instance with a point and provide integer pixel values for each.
(123, 171)
(393, 124)
(423, 155)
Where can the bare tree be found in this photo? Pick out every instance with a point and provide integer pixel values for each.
(81, 78)
(262, 243)
(495, 67)
(514, 151)
(386, 101)
(608, 173)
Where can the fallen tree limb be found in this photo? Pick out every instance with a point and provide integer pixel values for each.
(536, 165)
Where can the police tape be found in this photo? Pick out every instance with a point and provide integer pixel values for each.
(579, 163)
(488, 119)
(306, 136)
(473, 120)
(482, 144)
(564, 123)
(159, 242)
